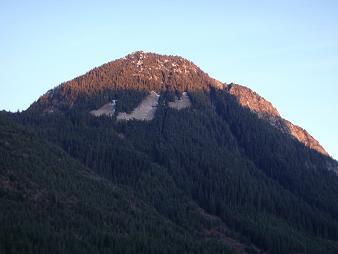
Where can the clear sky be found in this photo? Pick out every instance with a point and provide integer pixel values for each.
(287, 51)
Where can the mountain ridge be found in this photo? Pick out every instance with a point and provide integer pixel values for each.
(267, 111)
(154, 72)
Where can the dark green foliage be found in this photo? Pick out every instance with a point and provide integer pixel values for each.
(50, 203)
(297, 168)
(216, 156)
(207, 173)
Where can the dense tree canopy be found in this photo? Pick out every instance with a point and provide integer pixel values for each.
(211, 178)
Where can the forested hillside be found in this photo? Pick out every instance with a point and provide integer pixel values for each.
(51, 203)
(215, 176)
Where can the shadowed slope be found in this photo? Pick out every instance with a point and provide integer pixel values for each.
(51, 203)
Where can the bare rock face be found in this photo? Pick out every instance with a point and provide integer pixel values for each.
(265, 110)
(248, 98)
(304, 137)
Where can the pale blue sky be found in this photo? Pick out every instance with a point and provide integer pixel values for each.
(287, 51)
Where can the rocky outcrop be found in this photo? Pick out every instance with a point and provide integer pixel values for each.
(265, 110)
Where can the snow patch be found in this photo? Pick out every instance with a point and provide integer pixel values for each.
(180, 103)
(107, 109)
(145, 111)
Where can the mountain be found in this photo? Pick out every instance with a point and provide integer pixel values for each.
(152, 72)
(209, 167)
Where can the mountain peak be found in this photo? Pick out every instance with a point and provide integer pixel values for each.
(137, 71)
(148, 62)
(146, 72)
